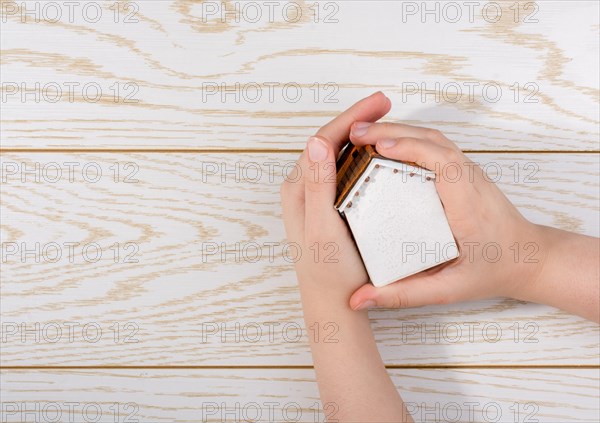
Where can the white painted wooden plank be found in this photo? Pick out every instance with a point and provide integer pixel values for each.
(180, 56)
(178, 306)
(282, 395)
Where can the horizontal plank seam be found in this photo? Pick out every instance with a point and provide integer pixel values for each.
(248, 150)
(225, 367)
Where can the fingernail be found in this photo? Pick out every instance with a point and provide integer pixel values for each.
(384, 96)
(366, 304)
(317, 150)
(386, 143)
(360, 128)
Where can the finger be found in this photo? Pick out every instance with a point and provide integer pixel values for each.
(421, 151)
(319, 189)
(369, 109)
(337, 131)
(414, 291)
(292, 208)
(294, 179)
(292, 199)
(363, 133)
(335, 135)
(448, 164)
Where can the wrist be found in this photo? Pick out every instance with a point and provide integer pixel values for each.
(327, 288)
(330, 313)
(320, 296)
(538, 240)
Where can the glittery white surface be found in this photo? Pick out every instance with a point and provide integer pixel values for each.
(398, 222)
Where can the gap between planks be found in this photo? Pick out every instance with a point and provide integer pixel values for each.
(276, 151)
(392, 367)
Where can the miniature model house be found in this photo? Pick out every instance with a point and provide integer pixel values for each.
(394, 213)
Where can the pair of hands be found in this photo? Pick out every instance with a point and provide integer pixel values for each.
(478, 213)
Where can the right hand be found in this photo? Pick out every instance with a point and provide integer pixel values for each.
(479, 215)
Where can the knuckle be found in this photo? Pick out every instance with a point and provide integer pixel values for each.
(453, 155)
(313, 186)
(435, 134)
(442, 298)
(448, 143)
(407, 149)
(380, 130)
(399, 299)
(409, 142)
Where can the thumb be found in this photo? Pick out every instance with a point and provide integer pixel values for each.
(414, 291)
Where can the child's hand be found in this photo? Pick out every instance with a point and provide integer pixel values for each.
(487, 227)
(330, 262)
(347, 364)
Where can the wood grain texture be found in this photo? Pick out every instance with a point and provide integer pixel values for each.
(181, 58)
(168, 307)
(534, 395)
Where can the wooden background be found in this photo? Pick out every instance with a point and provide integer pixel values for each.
(154, 329)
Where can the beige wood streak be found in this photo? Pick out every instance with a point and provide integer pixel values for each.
(176, 297)
(171, 54)
(431, 395)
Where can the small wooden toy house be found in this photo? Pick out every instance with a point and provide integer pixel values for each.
(394, 213)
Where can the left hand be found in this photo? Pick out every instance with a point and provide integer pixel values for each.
(330, 263)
